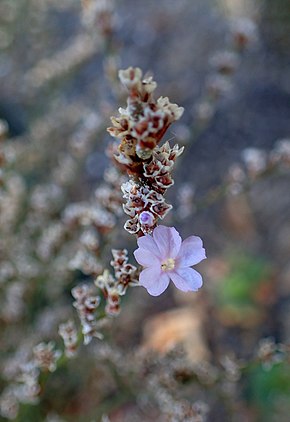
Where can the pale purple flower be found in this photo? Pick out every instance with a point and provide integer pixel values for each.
(146, 218)
(165, 257)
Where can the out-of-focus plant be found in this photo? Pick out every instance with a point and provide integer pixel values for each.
(245, 291)
(268, 381)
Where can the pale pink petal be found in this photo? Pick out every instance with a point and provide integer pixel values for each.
(149, 276)
(146, 258)
(159, 286)
(186, 279)
(168, 241)
(147, 242)
(154, 280)
(191, 252)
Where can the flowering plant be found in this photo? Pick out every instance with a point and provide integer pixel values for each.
(138, 154)
(140, 128)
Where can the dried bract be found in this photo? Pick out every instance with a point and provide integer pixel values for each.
(46, 356)
(86, 304)
(69, 334)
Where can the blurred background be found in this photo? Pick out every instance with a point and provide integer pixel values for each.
(221, 354)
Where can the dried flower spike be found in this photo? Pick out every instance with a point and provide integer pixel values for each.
(141, 126)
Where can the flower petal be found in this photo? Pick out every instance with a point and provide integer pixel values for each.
(167, 240)
(191, 252)
(146, 258)
(186, 279)
(149, 276)
(154, 281)
(147, 242)
(160, 286)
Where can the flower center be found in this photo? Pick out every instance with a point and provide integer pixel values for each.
(168, 265)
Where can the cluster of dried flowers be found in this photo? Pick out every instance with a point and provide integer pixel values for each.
(24, 375)
(257, 163)
(114, 287)
(45, 235)
(140, 128)
(98, 26)
(223, 66)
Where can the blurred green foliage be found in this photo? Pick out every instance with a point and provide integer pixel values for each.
(245, 289)
(267, 389)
